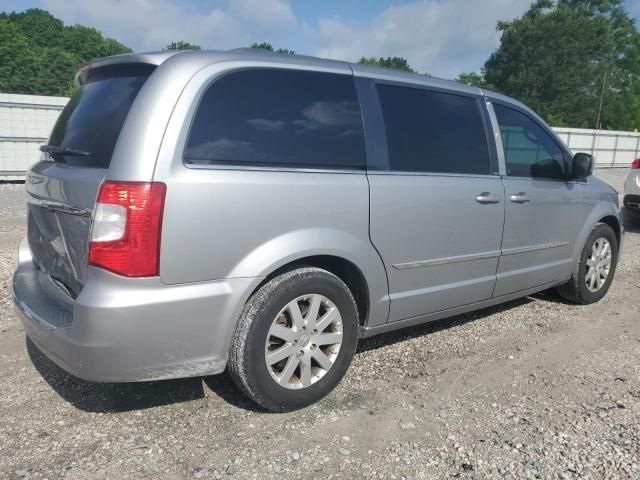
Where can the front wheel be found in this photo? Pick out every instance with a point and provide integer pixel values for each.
(295, 339)
(593, 274)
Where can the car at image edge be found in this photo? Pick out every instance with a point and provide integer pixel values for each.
(200, 211)
(631, 199)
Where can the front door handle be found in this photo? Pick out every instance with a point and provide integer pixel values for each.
(486, 197)
(520, 198)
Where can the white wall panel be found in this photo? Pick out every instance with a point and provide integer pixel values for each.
(610, 148)
(25, 124)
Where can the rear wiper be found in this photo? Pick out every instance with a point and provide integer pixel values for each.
(54, 151)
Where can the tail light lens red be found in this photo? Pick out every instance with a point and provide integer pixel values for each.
(635, 164)
(127, 223)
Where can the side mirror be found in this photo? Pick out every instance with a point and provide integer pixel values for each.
(581, 166)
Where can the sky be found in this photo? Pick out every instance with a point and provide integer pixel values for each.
(439, 37)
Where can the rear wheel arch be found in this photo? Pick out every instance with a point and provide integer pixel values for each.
(278, 359)
(344, 269)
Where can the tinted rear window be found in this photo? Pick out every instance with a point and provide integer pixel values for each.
(94, 116)
(278, 117)
(429, 131)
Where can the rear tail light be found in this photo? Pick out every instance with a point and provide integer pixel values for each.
(635, 164)
(127, 222)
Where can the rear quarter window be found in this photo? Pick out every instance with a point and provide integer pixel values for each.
(93, 118)
(278, 118)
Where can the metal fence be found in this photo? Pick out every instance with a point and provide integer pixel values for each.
(610, 148)
(27, 120)
(25, 124)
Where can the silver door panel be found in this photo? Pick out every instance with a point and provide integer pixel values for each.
(439, 244)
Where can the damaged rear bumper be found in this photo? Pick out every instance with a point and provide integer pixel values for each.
(123, 330)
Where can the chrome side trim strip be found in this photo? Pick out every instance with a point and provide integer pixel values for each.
(447, 260)
(254, 168)
(391, 173)
(533, 248)
(58, 206)
(477, 256)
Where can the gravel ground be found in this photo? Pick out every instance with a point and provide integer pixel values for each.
(536, 388)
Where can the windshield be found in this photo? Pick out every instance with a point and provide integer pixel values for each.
(92, 120)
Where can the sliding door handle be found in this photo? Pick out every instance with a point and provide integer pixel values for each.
(486, 197)
(520, 198)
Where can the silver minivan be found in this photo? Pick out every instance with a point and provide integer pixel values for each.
(200, 211)
(631, 198)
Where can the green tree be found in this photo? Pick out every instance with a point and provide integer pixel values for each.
(39, 26)
(88, 43)
(396, 63)
(564, 57)
(182, 45)
(40, 55)
(474, 79)
(269, 47)
(262, 46)
(19, 64)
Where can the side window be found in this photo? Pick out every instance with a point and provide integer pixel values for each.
(529, 151)
(278, 117)
(430, 131)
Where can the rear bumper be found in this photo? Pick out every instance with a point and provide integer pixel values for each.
(123, 330)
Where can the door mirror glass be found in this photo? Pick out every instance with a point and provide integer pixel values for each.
(581, 165)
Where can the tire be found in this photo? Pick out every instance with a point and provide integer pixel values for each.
(284, 386)
(577, 289)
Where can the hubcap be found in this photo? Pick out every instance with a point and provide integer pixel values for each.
(303, 341)
(598, 264)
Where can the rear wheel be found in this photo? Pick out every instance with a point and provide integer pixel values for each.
(593, 274)
(295, 339)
